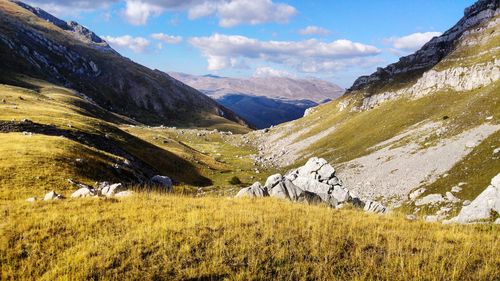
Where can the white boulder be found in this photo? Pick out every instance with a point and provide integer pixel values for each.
(273, 180)
(482, 207)
(311, 185)
(52, 196)
(84, 192)
(111, 189)
(255, 190)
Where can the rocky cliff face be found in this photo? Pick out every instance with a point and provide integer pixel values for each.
(409, 68)
(37, 44)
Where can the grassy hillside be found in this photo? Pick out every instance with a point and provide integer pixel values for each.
(50, 134)
(150, 237)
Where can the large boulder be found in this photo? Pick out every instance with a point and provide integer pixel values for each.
(311, 185)
(273, 180)
(162, 181)
(255, 190)
(484, 204)
(287, 190)
(311, 168)
(340, 194)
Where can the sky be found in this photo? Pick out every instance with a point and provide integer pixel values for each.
(335, 40)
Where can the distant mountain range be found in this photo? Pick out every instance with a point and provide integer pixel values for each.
(264, 101)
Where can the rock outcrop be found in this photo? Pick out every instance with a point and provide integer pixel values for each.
(483, 207)
(313, 183)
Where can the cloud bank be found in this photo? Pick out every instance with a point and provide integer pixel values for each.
(223, 51)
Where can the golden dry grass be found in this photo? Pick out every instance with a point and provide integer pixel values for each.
(153, 237)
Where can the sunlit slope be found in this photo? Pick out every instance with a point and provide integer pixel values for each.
(50, 134)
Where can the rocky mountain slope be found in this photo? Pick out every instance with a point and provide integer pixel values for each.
(36, 44)
(264, 101)
(428, 122)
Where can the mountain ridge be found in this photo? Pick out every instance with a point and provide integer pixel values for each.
(72, 56)
(412, 66)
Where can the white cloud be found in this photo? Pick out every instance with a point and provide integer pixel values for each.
(412, 42)
(271, 72)
(253, 12)
(314, 30)
(70, 7)
(136, 44)
(308, 55)
(169, 39)
(138, 12)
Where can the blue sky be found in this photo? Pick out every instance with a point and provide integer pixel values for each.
(336, 40)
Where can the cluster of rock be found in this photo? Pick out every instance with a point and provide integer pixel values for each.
(314, 183)
(106, 189)
(483, 207)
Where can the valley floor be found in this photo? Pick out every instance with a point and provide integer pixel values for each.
(152, 237)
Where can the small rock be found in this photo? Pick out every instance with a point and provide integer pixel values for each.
(429, 199)
(470, 144)
(411, 217)
(496, 150)
(416, 193)
(489, 118)
(52, 196)
(110, 190)
(31, 199)
(4, 101)
(84, 192)
(456, 189)
(125, 193)
(466, 203)
(450, 197)
(461, 184)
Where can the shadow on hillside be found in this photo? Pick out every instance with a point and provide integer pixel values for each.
(146, 159)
